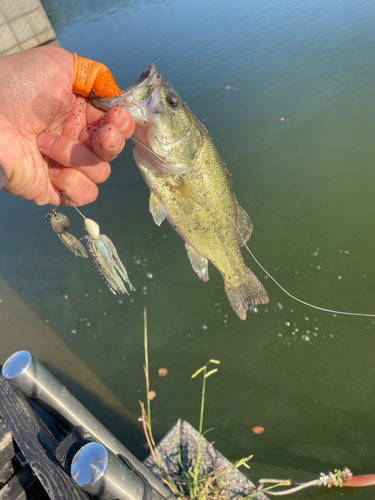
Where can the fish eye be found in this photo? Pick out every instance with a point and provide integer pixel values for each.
(173, 100)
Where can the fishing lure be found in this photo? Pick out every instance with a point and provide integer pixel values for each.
(105, 258)
(59, 224)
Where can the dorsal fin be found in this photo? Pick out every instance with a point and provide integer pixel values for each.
(244, 224)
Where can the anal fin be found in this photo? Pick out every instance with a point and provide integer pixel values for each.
(157, 209)
(198, 263)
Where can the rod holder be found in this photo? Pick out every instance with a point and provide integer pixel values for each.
(29, 376)
(103, 475)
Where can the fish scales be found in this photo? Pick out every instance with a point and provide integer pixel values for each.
(190, 185)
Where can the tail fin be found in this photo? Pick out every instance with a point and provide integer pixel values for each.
(251, 292)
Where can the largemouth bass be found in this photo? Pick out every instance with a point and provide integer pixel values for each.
(189, 185)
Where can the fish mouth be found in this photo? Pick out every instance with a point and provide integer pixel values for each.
(146, 78)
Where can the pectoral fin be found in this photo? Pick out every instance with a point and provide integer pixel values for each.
(184, 188)
(157, 209)
(198, 263)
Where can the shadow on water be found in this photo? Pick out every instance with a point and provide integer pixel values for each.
(127, 432)
(65, 14)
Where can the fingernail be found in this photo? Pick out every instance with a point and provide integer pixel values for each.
(54, 171)
(45, 140)
(3, 178)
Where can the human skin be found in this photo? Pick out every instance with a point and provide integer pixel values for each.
(52, 140)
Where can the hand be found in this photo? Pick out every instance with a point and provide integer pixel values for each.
(52, 140)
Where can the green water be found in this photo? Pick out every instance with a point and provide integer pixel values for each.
(307, 183)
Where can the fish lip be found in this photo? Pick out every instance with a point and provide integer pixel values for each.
(149, 76)
(145, 78)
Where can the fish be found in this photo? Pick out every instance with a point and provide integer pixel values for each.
(189, 185)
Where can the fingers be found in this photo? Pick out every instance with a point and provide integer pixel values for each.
(70, 152)
(75, 184)
(107, 139)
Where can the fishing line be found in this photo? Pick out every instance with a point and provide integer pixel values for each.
(251, 253)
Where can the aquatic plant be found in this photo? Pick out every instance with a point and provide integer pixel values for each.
(196, 483)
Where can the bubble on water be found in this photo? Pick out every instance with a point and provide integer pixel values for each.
(279, 305)
(81, 320)
(307, 331)
(149, 275)
(1, 301)
(293, 333)
(279, 334)
(316, 328)
(339, 277)
(318, 267)
(225, 315)
(88, 324)
(86, 295)
(340, 251)
(296, 330)
(306, 338)
(144, 288)
(85, 319)
(95, 336)
(100, 290)
(306, 318)
(138, 261)
(346, 252)
(253, 309)
(265, 310)
(225, 321)
(204, 327)
(189, 335)
(315, 334)
(65, 297)
(144, 292)
(46, 320)
(315, 254)
(330, 335)
(217, 304)
(104, 313)
(334, 315)
(296, 272)
(73, 331)
(119, 301)
(123, 358)
(287, 323)
(365, 275)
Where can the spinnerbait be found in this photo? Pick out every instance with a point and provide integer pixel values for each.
(59, 224)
